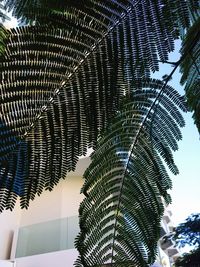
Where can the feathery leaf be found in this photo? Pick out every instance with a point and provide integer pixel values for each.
(127, 181)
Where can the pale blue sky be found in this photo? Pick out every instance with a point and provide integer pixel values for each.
(185, 193)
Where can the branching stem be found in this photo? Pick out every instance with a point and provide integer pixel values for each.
(168, 62)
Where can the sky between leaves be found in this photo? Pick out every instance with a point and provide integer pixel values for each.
(185, 193)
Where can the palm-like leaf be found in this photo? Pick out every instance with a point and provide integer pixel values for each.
(125, 183)
(191, 70)
(61, 84)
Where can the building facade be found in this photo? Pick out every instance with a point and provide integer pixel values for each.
(44, 234)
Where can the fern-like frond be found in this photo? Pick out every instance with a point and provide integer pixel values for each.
(127, 181)
(62, 82)
(190, 69)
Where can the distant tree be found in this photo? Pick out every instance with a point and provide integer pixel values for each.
(188, 233)
(191, 259)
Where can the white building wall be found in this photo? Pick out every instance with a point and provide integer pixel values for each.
(43, 208)
(63, 258)
(4, 263)
(9, 222)
(62, 202)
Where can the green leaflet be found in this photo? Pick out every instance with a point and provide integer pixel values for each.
(126, 183)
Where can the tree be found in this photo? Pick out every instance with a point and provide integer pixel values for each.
(79, 75)
(191, 259)
(188, 233)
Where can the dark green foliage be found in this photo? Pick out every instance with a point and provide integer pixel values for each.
(191, 70)
(3, 32)
(191, 259)
(126, 183)
(188, 232)
(63, 79)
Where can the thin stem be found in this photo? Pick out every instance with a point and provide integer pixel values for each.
(167, 62)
